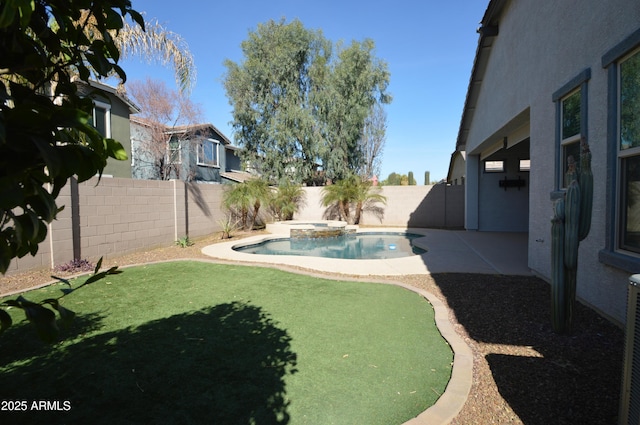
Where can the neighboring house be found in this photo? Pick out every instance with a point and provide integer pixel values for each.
(457, 169)
(192, 153)
(547, 73)
(111, 113)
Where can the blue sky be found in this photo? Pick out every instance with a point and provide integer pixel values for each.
(429, 46)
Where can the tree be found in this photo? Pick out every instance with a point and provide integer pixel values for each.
(392, 180)
(237, 199)
(260, 193)
(46, 135)
(411, 181)
(287, 200)
(163, 112)
(357, 80)
(154, 43)
(296, 106)
(351, 194)
(372, 141)
(242, 197)
(427, 180)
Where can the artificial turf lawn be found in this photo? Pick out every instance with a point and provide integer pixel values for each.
(191, 342)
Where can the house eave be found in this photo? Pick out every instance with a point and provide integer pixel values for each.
(488, 30)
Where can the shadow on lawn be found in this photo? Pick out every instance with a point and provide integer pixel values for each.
(576, 378)
(225, 364)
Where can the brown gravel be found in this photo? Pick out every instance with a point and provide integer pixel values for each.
(523, 372)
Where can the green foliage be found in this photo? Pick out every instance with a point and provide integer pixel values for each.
(352, 194)
(570, 224)
(46, 134)
(184, 242)
(242, 198)
(411, 179)
(42, 318)
(297, 106)
(287, 200)
(427, 179)
(394, 179)
(227, 225)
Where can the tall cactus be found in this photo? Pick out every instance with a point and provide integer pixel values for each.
(570, 225)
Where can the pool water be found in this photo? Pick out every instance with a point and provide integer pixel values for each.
(364, 246)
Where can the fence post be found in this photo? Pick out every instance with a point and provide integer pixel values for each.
(175, 211)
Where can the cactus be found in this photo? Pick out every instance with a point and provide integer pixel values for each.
(570, 225)
(557, 265)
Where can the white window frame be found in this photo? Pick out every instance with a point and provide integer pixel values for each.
(169, 150)
(201, 157)
(107, 116)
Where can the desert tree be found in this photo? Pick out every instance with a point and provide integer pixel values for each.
(372, 141)
(297, 105)
(166, 126)
(356, 81)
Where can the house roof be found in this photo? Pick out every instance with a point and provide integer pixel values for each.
(203, 126)
(184, 128)
(487, 31)
(455, 156)
(237, 176)
(133, 108)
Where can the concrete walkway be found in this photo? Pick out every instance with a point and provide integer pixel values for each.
(447, 252)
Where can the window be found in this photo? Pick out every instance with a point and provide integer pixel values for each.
(173, 150)
(494, 166)
(628, 146)
(524, 165)
(570, 131)
(101, 118)
(208, 153)
(622, 62)
(571, 111)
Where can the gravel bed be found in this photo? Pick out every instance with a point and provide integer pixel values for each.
(523, 372)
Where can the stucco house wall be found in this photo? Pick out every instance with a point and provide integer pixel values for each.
(143, 159)
(540, 47)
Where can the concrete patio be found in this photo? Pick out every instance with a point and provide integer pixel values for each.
(448, 251)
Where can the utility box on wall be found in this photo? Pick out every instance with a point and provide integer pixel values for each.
(630, 395)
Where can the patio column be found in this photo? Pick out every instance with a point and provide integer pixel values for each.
(471, 194)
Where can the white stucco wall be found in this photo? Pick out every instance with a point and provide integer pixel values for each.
(541, 46)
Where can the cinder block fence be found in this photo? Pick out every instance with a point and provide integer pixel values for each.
(119, 216)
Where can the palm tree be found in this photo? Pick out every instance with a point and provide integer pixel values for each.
(153, 42)
(355, 191)
(156, 43)
(237, 197)
(367, 196)
(287, 200)
(260, 192)
(242, 197)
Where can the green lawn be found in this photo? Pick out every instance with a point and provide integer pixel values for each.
(192, 342)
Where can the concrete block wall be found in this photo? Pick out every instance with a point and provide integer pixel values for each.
(119, 216)
(435, 206)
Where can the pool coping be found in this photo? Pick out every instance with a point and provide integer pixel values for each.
(451, 402)
(414, 264)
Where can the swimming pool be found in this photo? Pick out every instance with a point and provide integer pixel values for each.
(358, 246)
